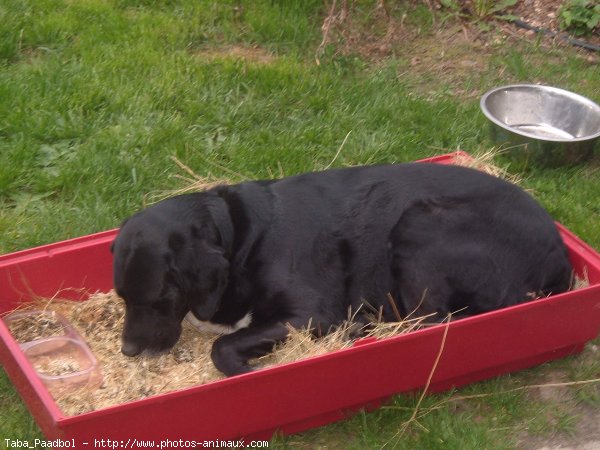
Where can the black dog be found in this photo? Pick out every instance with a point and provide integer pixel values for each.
(305, 249)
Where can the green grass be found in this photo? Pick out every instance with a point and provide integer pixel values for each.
(98, 95)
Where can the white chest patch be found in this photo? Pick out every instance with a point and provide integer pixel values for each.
(217, 328)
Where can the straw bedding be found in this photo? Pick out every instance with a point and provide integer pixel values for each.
(99, 320)
(27, 329)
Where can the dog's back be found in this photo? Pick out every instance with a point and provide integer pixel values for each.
(436, 238)
(305, 249)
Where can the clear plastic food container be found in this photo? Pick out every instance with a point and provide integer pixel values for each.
(56, 351)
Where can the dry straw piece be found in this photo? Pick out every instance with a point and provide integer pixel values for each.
(485, 163)
(99, 320)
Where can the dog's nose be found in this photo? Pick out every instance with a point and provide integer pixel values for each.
(130, 349)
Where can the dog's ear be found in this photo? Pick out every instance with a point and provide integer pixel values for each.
(112, 245)
(221, 223)
(204, 304)
(202, 254)
(202, 273)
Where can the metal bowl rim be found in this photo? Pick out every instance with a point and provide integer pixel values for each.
(573, 95)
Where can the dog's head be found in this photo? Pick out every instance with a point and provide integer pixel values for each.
(168, 260)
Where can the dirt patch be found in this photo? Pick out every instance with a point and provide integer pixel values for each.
(545, 14)
(562, 395)
(539, 13)
(372, 34)
(528, 17)
(451, 55)
(254, 55)
(585, 434)
(385, 31)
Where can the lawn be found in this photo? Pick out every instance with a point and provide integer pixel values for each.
(98, 97)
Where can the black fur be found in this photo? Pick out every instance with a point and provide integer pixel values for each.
(304, 249)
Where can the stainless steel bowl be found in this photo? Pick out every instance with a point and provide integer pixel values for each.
(543, 124)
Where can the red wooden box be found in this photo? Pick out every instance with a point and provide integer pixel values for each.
(301, 395)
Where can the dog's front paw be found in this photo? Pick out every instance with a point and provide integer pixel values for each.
(228, 360)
